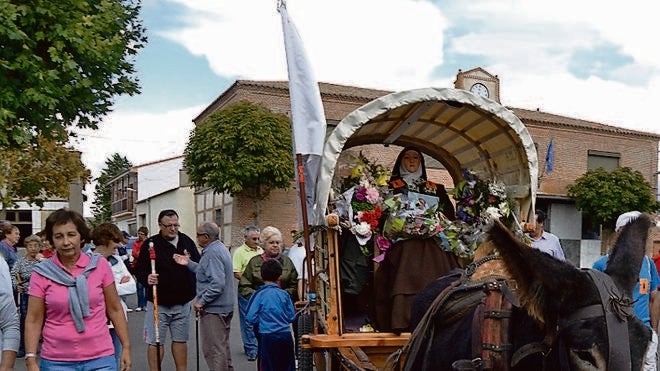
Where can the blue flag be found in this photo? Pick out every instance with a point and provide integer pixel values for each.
(550, 158)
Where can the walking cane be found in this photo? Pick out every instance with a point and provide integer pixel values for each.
(152, 255)
(18, 294)
(197, 337)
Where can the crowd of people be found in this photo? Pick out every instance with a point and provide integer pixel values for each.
(71, 283)
(71, 299)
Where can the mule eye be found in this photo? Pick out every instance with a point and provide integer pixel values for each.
(587, 359)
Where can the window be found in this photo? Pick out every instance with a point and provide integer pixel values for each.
(218, 217)
(607, 160)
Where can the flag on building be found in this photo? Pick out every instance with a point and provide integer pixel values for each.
(550, 157)
(307, 113)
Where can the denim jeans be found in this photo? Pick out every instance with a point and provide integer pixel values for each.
(117, 344)
(24, 304)
(106, 363)
(247, 332)
(141, 295)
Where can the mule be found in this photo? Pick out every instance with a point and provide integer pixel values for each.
(560, 318)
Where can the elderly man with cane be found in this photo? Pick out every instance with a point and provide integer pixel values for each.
(214, 302)
(175, 290)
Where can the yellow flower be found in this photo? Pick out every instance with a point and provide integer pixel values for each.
(381, 181)
(356, 172)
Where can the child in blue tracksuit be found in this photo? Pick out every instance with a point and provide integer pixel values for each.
(271, 311)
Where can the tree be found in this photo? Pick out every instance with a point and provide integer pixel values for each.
(604, 195)
(39, 172)
(243, 149)
(115, 165)
(62, 63)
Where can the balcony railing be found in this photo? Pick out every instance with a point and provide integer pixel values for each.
(122, 206)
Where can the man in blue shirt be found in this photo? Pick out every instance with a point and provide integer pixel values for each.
(214, 301)
(545, 241)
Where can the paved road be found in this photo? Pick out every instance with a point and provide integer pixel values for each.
(135, 324)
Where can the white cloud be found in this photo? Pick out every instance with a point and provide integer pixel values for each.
(141, 137)
(371, 43)
(397, 44)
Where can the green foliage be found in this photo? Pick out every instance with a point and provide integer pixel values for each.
(243, 149)
(62, 63)
(604, 195)
(115, 165)
(39, 172)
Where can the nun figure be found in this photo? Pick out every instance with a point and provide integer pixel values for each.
(410, 264)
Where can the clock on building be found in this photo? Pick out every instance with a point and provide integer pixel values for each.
(480, 82)
(480, 89)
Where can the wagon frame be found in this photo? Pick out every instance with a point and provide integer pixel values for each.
(459, 129)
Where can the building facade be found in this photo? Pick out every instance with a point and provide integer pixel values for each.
(579, 145)
(139, 194)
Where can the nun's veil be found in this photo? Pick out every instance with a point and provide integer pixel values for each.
(396, 171)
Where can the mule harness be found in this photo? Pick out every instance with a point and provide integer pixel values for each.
(493, 298)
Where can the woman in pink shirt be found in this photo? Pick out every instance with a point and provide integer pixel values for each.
(73, 292)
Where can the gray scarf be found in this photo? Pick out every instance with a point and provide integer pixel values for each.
(78, 291)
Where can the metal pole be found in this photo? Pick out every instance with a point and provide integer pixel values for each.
(303, 207)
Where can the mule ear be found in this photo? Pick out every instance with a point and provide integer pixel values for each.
(625, 259)
(539, 276)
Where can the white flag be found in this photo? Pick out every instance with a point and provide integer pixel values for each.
(306, 108)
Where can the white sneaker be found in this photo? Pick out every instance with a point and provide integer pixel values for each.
(129, 310)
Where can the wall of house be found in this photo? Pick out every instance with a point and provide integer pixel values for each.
(278, 210)
(571, 148)
(158, 177)
(180, 199)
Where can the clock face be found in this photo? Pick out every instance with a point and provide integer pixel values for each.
(480, 89)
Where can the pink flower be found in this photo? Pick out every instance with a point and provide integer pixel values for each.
(372, 195)
(360, 195)
(383, 243)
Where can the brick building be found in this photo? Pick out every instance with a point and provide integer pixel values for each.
(579, 145)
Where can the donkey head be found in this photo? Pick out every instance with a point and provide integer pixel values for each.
(551, 291)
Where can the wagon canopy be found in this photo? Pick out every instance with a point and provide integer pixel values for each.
(457, 128)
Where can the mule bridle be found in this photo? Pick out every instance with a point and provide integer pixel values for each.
(616, 309)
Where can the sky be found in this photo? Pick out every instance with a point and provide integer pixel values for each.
(591, 59)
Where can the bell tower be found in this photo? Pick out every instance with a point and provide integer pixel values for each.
(479, 82)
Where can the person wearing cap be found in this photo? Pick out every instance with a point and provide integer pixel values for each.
(545, 241)
(645, 292)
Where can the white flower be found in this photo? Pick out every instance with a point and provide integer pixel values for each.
(497, 189)
(363, 229)
(504, 207)
(493, 213)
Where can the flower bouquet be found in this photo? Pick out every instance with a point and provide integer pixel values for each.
(360, 202)
(409, 218)
(477, 203)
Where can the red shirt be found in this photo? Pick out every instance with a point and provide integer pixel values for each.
(656, 260)
(136, 251)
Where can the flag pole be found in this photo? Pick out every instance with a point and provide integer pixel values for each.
(308, 129)
(305, 220)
